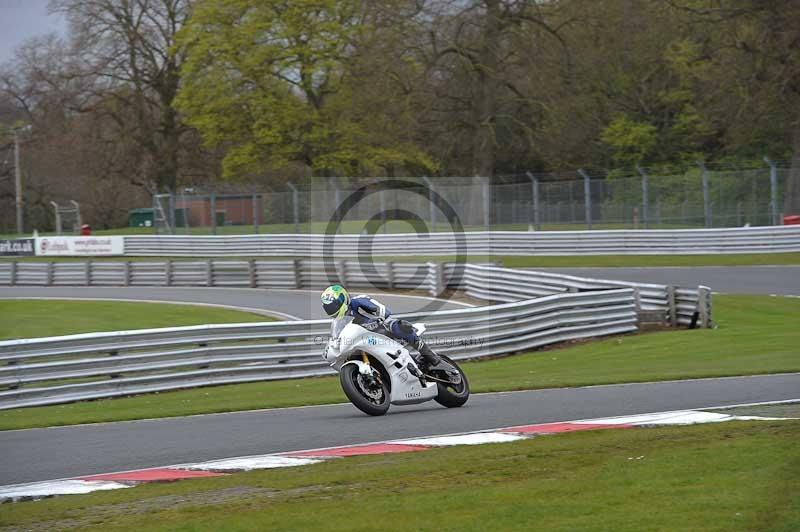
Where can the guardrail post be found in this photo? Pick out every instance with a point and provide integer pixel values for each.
(704, 306)
(297, 266)
(637, 304)
(341, 272)
(390, 274)
(773, 189)
(12, 274)
(168, 272)
(50, 268)
(672, 313)
(435, 271)
(253, 272)
(127, 272)
(209, 273)
(706, 195)
(587, 198)
(88, 273)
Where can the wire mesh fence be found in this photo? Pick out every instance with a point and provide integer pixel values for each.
(697, 197)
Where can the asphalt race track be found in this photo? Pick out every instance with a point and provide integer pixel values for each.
(45, 454)
(782, 280)
(295, 304)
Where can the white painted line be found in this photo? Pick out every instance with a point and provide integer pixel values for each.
(261, 312)
(35, 490)
(681, 417)
(249, 463)
(464, 439)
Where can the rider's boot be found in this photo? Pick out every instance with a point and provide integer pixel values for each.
(430, 358)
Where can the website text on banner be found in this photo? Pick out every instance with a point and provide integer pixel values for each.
(80, 245)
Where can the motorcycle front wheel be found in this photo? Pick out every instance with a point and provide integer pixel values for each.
(452, 395)
(369, 395)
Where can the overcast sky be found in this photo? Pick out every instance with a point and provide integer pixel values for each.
(22, 19)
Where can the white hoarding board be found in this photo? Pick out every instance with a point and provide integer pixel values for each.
(81, 246)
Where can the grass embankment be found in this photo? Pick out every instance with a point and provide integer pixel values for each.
(28, 318)
(756, 335)
(599, 261)
(728, 476)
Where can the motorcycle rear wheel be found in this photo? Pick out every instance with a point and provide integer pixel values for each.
(354, 389)
(453, 396)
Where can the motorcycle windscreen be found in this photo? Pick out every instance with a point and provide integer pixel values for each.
(337, 326)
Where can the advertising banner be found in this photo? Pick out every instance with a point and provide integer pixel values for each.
(80, 246)
(16, 247)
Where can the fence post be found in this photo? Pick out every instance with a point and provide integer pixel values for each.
(255, 213)
(587, 198)
(645, 197)
(251, 270)
(390, 274)
(209, 273)
(12, 275)
(168, 272)
(171, 215)
(535, 197)
(487, 204)
(213, 207)
(431, 203)
(672, 313)
(295, 207)
(88, 273)
(382, 198)
(706, 195)
(50, 268)
(127, 272)
(704, 306)
(773, 188)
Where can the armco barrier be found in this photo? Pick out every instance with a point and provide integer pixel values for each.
(679, 306)
(38, 371)
(770, 239)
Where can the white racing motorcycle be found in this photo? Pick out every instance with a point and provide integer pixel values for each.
(376, 371)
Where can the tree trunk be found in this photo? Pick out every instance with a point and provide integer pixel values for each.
(487, 91)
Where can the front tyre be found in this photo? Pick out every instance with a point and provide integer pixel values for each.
(452, 395)
(368, 394)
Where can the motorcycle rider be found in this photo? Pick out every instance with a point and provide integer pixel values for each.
(374, 316)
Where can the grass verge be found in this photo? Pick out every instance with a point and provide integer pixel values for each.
(728, 476)
(756, 335)
(29, 318)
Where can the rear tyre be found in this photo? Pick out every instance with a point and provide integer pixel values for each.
(452, 395)
(370, 395)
